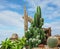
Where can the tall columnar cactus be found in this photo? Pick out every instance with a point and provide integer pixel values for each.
(35, 34)
(38, 20)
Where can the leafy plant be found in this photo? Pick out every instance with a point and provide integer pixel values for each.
(35, 34)
(17, 44)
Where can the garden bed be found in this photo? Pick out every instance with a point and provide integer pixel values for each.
(46, 47)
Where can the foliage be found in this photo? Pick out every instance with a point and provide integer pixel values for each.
(52, 42)
(17, 44)
(35, 34)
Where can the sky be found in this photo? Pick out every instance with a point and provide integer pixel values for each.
(11, 12)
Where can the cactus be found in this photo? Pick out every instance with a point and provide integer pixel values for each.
(38, 21)
(52, 42)
(35, 30)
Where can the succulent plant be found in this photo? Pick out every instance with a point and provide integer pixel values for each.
(38, 20)
(35, 35)
(52, 42)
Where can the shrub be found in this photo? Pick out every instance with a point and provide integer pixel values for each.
(17, 44)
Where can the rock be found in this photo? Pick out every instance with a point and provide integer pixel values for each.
(14, 37)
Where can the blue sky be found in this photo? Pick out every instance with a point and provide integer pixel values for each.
(11, 12)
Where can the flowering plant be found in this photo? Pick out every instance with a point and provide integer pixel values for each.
(35, 34)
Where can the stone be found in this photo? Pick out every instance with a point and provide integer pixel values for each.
(14, 37)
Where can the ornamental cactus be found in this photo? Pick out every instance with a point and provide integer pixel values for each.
(38, 21)
(35, 34)
(52, 42)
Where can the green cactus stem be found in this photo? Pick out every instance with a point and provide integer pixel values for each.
(52, 42)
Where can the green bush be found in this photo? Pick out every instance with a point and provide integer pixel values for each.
(17, 44)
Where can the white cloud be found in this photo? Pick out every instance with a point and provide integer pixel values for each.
(10, 22)
(56, 2)
(55, 26)
(42, 3)
(11, 18)
(31, 10)
(53, 15)
(47, 11)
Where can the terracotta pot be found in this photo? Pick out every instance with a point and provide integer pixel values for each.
(41, 45)
(36, 48)
(27, 47)
(54, 48)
